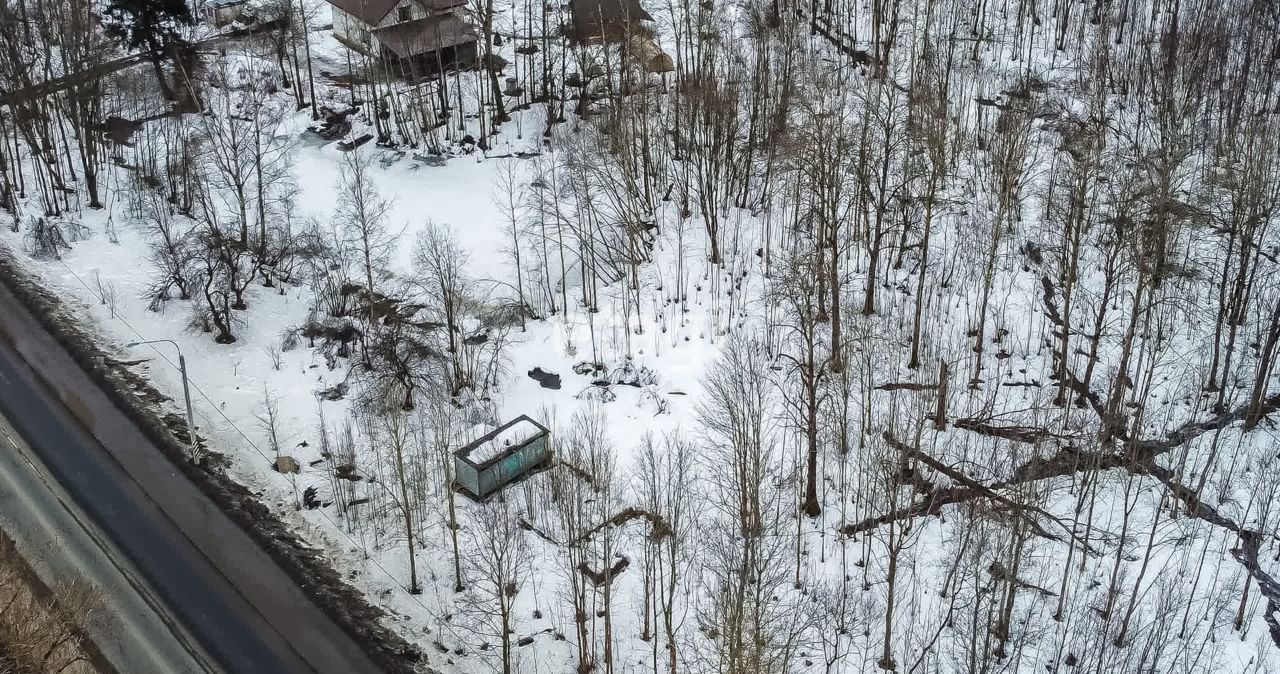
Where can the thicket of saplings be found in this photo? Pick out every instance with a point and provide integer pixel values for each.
(994, 288)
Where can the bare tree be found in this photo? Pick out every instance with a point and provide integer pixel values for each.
(810, 359)
(669, 491)
(440, 263)
(498, 564)
(406, 491)
(510, 198)
(361, 218)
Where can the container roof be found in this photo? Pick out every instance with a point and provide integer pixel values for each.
(487, 460)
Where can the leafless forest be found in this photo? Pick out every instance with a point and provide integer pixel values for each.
(989, 292)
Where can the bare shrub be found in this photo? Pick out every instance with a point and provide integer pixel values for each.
(41, 631)
(274, 351)
(45, 240)
(106, 292)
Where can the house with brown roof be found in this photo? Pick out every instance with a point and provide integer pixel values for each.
(622, 22)
(428, 32)
(596, 21)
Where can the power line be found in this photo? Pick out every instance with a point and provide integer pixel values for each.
(261, 453)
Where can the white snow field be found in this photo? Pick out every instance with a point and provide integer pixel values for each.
(1078, 474)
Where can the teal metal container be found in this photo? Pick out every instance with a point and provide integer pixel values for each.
(485, 476)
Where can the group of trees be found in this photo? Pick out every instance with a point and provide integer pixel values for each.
(992, 289)
(55, 61)
(1012, 265)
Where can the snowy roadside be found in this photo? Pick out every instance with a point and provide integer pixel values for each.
(167, 428)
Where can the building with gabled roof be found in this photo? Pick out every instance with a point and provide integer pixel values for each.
(223, 12)
(428, 32)
(597, 21)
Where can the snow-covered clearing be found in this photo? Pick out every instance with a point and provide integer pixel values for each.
(234, 385)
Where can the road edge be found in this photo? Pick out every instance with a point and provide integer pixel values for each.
(135, 397)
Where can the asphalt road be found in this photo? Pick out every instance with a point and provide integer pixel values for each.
(242, 608)
(131, 629)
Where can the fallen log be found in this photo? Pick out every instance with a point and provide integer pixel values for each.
(1027, 434)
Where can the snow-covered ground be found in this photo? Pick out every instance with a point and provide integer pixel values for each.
(233, 385)
(657, 335)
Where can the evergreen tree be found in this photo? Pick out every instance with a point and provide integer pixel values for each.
(150, 25)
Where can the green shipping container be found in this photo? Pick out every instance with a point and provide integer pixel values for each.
(502, 455)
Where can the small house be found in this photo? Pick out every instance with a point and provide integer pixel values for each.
(428, 33)
(599, 21)
(223, 12)
(500, 456)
